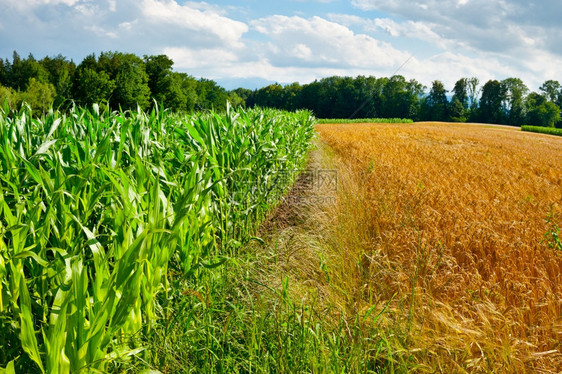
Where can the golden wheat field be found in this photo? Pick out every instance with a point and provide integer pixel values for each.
(453, 230)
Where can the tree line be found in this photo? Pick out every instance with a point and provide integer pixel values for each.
(507, 102)
(124, 80)
(115, 79)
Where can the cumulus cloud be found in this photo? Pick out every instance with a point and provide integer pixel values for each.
(439, 39)
(190, 17)
(521, 36)
(191, 59)
(489, 25)
(23, 5)
(319, 42)
(410, 29)
(448, 67)
(80, 27)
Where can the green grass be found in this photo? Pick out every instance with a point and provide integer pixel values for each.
(542, 130)
(366, 120)
(233, 323)
(106, 218)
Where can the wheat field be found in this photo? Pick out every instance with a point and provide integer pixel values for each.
(454, 228)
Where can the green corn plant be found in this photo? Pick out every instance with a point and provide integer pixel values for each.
(99, 209)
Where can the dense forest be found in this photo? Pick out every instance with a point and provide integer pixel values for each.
(124, 80)
(120, 80)
(507, 102)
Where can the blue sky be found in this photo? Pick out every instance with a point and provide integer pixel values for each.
(249, 43)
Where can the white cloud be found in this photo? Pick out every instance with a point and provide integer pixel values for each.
(267, 70)
(487, 25)
(539, 67)
(302, 51)
(112, 5)
(513, 32)
(127, 26)
(408, 29)
(204, 19)
(102, 32)
(24, 5)
(319, 42)
(311, 48)
(448, 67)
(186, 58)
(88, 10)
(440, 39)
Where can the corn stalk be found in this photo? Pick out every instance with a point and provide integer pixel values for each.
(96, 206)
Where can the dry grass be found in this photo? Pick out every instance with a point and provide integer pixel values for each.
(446, 224)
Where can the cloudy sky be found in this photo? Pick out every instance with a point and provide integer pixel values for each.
(249, 43)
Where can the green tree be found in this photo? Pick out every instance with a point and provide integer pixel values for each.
(175, 96)
(131, 81)
(347, 98)
(415, 91)
(8, 98)
(540, 111)
(464, 102)
(369, 91)
(158, 68)
(312, 98)
(270, 96)
(457, 111)
(188, 86)
(244, 94)
(401, 98)
(516, 91)
(131, 86)
(165, 87)
(39, 95)
(437, 103)
(553, 91)
(15, 77)
(61, 76)
(460, 92)
(327, 96)
(491, 109)
(292, 96)
(4, 66)
(235, 100)
(210, 95)
(90, 62)
(376, 93)
(23, 70)
(93, 87)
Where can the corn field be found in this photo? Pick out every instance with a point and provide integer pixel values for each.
(98, 207)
